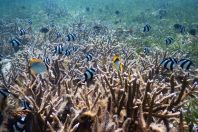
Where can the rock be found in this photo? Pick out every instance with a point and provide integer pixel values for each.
(6, 66)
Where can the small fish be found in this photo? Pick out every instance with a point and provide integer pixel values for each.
(169, 40)
(147, 50)
(169, 63)
(25, 105)
(87, 9)
(117, 21)
(74, 48)
(89, 57)
(195, 128)
(46, 61)
(89, 73)
(70, 37)
(15, 43)
(37, 66)
(22, 32)
(18, 123)
(97, 28)
(185, 64)
(117, 63)
(182, 30)
(117, 12)
(67, 52)
(147, 28)
(59, 49)
(58, 35)
(23, 7)
(4, 93)
(44, 30)
(29, 21)
(192, 32)
(179, 28)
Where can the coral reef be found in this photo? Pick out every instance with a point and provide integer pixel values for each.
(143, 97)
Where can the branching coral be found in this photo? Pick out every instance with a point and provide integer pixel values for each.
(143, 97)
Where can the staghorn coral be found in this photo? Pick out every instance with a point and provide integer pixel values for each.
(144, 97)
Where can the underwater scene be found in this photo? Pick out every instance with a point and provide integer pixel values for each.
(98, 65)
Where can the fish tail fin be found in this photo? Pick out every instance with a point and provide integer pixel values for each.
(121, 67)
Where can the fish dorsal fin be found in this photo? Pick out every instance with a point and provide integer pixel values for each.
(35, 60)
(116, 58)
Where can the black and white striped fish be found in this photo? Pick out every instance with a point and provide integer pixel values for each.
(89, 57)
(25, 105)
(29, 21)
(169, 63)
(57, 35)
(179, 28)
(67, 52)
(147, 28)
(185, 64)
(59, 49)
(182, 29)
(15, 43)
(89, 73)
(169, 40)
(46, 60)
(195, 128)
(22, 32)
(70, 37)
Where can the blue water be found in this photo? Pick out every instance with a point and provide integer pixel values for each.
(178, 10)
(128, 14)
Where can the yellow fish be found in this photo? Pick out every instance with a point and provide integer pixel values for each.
(117, 63)
(37, 66)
